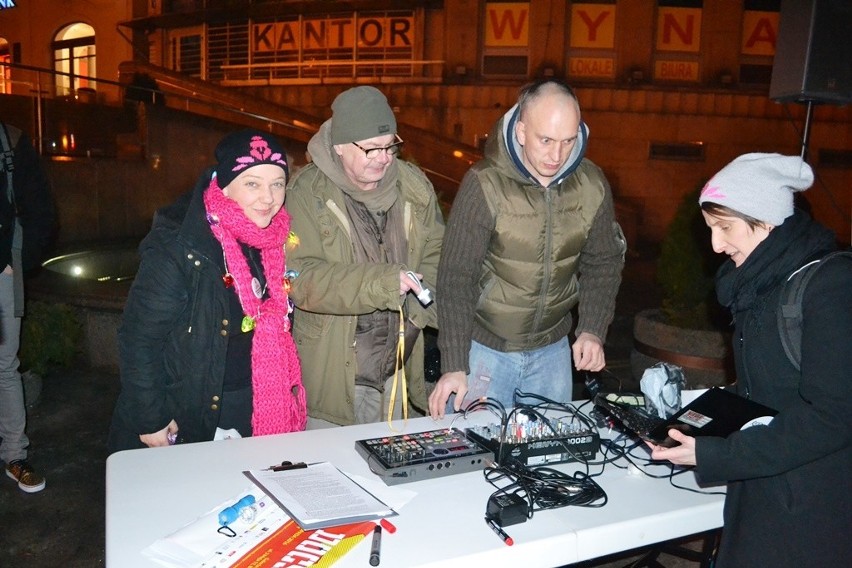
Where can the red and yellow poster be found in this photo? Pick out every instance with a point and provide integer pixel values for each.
(290, 545)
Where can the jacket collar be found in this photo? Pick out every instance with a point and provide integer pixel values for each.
(503, 148)
(188, 217)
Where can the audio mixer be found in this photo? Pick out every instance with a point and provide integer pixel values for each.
(538, 442)
(425, 455)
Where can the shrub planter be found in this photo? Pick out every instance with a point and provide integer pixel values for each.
(704, 355)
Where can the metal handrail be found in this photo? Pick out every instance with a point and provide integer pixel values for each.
(37, 90)
(176, 86)
(334, 63)
(442, 158)
(255, 71)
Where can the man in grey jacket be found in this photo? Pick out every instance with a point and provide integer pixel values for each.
(362, 219)
(532, 234)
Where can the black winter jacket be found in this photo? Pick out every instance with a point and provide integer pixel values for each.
(174, 336)
(789, 500)
(33, 203)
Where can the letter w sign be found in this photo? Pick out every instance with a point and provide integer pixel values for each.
(507, 24)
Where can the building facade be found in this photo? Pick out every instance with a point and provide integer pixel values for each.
(672, 89)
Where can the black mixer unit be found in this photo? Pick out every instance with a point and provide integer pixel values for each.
(538, 442)
(425, 455)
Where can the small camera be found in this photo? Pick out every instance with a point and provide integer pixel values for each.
(424, 295)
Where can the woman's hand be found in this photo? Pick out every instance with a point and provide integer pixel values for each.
(684, 454)
(160, 438)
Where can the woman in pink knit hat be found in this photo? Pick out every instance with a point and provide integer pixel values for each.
(205, 345)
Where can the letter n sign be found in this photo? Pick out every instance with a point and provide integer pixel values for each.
(679, 29)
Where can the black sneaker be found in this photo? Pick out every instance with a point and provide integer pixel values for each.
(22, 472)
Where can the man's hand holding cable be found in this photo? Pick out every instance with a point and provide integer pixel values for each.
(588, 353)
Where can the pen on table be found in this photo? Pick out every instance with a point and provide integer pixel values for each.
(376, 548)
(499, 531)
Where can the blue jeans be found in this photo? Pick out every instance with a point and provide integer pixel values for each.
(545, 371)
(13, 414)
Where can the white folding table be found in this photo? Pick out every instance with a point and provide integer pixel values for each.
(152, 492)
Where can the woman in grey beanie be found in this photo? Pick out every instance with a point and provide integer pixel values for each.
(789, 497)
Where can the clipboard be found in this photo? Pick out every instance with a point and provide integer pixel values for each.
(319, 495)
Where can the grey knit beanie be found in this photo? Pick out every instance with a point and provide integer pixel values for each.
(759, 185)
(361, 113)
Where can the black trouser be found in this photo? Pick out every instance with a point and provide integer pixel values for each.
(236, 411)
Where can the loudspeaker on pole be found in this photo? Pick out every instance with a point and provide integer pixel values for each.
(813, 52)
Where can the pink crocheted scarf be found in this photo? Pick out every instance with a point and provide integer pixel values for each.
(279, 403)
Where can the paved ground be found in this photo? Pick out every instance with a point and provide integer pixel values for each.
(64, 524)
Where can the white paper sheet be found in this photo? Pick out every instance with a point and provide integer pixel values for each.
(320, 495)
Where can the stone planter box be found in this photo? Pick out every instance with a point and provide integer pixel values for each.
(704, 355)
(98, 297)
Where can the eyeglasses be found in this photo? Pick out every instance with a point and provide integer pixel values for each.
(391, 150)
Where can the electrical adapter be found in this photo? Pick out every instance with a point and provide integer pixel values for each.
(507, 509)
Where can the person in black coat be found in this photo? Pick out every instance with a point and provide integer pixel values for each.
(205, 350)
(789, 498)
(26, 226)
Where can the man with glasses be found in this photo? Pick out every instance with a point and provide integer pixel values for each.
(362, 220)
(532, 234)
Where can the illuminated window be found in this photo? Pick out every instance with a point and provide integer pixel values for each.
(74, 58)
(186, 53)
(5, 75)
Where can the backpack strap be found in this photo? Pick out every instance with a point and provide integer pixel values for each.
(7, 153)
(9, 136)
(789, 314)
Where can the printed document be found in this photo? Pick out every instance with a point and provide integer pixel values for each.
(319, 495)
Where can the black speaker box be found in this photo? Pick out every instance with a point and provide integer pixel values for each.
(813, 52)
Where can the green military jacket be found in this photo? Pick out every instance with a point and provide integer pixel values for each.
(331, 290)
